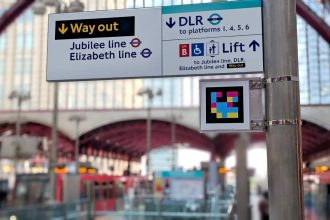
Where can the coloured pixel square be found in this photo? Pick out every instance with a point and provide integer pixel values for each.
(224, 105)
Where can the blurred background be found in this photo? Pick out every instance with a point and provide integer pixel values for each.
(131, 149)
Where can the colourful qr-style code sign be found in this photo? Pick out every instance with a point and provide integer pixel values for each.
(224, 105)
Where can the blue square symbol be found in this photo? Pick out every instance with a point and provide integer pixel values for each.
(197, 49)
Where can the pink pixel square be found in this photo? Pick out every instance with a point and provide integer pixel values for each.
(229, 104)
(219, 94)
(213, 105)
(232, 94)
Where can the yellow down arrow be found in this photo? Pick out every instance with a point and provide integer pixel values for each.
(63, 29)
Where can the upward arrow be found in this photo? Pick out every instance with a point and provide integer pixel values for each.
(63, 29)
(254, 44)
(170, 23)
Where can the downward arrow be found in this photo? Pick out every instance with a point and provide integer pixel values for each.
(170, 23)
(63, 29)
(254, 44)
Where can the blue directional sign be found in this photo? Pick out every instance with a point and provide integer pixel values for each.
(214, 38)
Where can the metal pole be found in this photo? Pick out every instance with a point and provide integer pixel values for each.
(53, 155)
(282, 102)
(173, 140)
(18, 132)
(18, 126)
(148, 137)
(18, 121)
(76, 148)
(242, 178)
(213, 180)
(77, 119)
(222, 176)
(129, 166)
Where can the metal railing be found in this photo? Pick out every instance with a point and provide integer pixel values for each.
(79, 210)
(143, 215)
(151, 208)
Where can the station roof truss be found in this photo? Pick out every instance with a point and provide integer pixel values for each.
(129, 137)
(315, 141)
(65, 144)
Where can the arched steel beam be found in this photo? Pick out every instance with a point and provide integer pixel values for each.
(315, 141)
(130, 135)
(13, 12)
(41, 130)
(313, 20)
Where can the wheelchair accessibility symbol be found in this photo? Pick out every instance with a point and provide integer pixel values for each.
(197, 49)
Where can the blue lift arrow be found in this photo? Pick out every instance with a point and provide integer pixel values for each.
(254, 44)
(170, 23)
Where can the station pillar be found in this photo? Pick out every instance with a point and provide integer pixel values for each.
(222, 176)
(213, 178)
(283, 134)
(242, 178)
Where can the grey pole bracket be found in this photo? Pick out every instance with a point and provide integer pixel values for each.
(281, 79)
(257, 125)
(283, 122)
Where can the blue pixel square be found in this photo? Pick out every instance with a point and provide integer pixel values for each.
(221, 107)
(197, 49)
(213, 97)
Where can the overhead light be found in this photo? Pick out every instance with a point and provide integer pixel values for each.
(21, 96)
(51, 2)
(7, 169)
(77, 118)
(159, 92)
(324, 168)
(26, 96)
(76, 6)
(39, 8)
(13, 95)
(141, 92)
(65, 9)
(7, 133)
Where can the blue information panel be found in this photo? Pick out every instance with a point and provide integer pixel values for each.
(213, 38)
